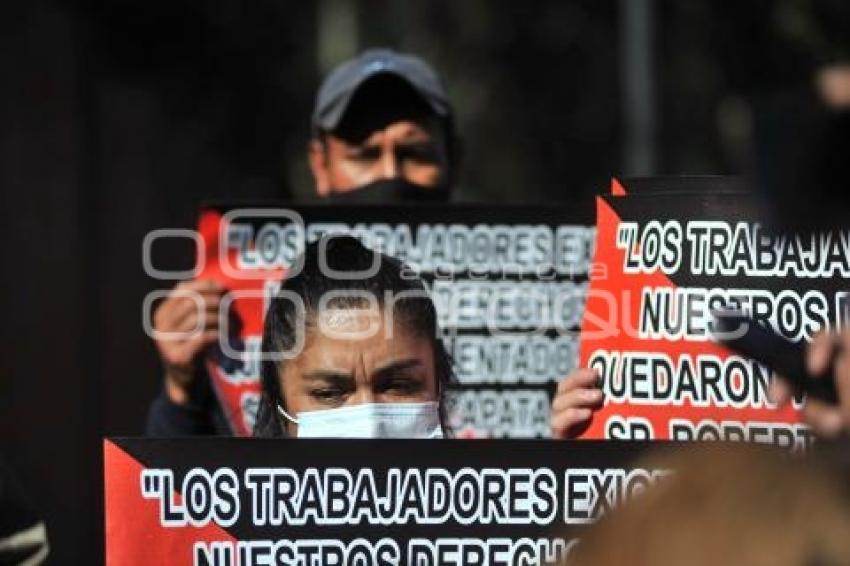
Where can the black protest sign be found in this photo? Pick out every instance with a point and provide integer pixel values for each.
(508, 283)
(219, 502)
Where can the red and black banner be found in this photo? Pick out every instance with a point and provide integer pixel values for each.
(666, 259)
(252, 502)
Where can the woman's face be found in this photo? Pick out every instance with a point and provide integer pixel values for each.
(351, 356)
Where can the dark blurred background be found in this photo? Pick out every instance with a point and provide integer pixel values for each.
(119, 116)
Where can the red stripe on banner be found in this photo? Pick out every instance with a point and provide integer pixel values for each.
(241, 390)
(617, 188)
(134, 535)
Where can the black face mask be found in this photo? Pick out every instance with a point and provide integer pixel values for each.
(391, 191)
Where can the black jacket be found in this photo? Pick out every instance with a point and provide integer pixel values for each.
(203, 415)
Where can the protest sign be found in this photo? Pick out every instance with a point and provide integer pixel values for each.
(673, 257)
(222, 502)
(508, 284)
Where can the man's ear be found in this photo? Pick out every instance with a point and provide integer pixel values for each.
(318, 158)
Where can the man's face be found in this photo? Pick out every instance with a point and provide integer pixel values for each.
(403, 149)
(387, 132)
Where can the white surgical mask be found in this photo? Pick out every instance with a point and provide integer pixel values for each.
(370, 420)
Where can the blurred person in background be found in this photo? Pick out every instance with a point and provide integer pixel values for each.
(382, 132)
(743, 505)
(833, 85)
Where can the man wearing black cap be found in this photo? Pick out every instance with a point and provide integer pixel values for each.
(382, 132)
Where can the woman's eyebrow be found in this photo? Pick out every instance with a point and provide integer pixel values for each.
(396, 367)
(329, 375)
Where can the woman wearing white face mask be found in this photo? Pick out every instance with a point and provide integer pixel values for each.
(358, 356)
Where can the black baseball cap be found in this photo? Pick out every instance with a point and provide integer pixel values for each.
(344, 81)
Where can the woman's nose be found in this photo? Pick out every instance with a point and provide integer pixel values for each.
(362, 396)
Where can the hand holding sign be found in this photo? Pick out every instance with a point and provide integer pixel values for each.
(185, 323)
(826, 351)
(577, 396)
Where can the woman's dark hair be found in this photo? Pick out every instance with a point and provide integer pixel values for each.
(385, 277)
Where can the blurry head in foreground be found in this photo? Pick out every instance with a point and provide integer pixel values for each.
(727, 505)
(382, 131)
(361, 355)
